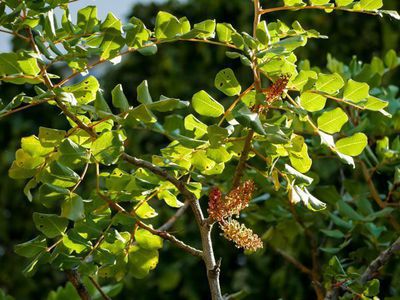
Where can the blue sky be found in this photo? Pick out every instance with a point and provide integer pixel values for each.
(120, 8)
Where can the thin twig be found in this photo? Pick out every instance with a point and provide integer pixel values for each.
(375, 195)
(15, 34)
(167, 236)
(243, 158)
(132, 50)
(81, 177)
(317, 7)
(98, 287)
(294, 262)
(171, 221)
(24, 107)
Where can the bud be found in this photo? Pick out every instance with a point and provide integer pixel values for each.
(242, 236)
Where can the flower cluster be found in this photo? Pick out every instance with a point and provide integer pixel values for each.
(242, 236)
(272, 93)
(221, 209)
(277, 88)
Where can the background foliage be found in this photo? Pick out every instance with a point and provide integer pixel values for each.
(265, 274)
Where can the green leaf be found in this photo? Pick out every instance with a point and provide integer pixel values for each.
(112, 40)
(167, 26)
(201, 162)
(391, 59)
(293, 2)
(71, 154)
(297, 176)
(245, 117)
(206, 105)
(145, 211)
(227, 83)
(59, 175)
(75, 242)
(372, 288)
(50, 194)
(141, 261)
(207, 27)
(319, 2)
(356, 91)
(87, 18)
(50, 137)
(343, 2)
(336, 234)
(101, 105)
(375, 104)
(169, 198)
(370, 4)
(148, 49)
(217, 135)
(119, 99)
(147, 240)
(143, 94)
(312, 101)
(108, 147)
(332, 121)
(191, 123)
(32, 247)
(12, 64)
(329, 83)
(298, 194)
(352, 145)
(73, 208)
(225, 32)
(219, 155)
(346, 210)
(141, 113)
(50, 225)
(137, 34)
(166, 104)
(300, 160)
(85, 91)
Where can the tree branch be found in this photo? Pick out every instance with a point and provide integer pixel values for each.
(167, 236)
(317, 7)
(74, 278)
(243, 158)
(205, 229)
(167, 225)
(98, 287)
(375, 195)
(372, 270)
(294, 262)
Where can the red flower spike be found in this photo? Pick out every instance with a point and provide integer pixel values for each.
(233, 203)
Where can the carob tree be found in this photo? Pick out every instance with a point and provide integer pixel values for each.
(289, 107)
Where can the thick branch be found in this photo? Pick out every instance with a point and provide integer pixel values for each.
(74, 278)
(372, 270)
(212, 266)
